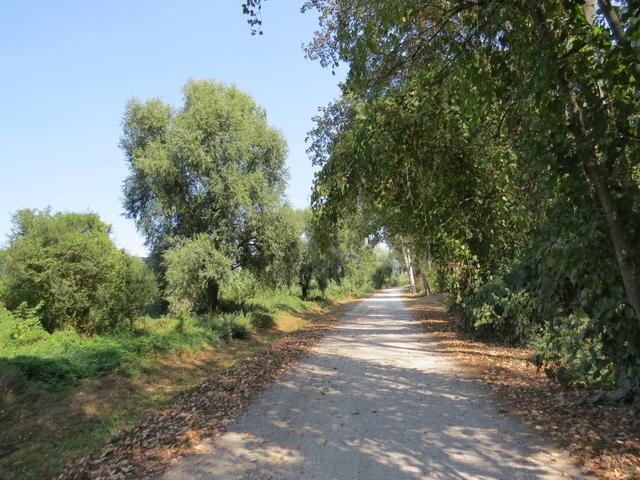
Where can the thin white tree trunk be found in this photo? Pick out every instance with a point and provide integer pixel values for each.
(409, 264)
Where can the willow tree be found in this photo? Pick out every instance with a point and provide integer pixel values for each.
(205, 174)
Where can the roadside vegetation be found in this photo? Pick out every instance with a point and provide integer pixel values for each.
(93, 339)
(485, 150)
(498, 143)
(64, 394)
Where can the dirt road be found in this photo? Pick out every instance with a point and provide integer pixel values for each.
(376, 399)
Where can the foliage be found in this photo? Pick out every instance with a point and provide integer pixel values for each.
(499, 139)
(213, 168)
(231, 326)
(31, 356)
(194, 272)
(502, 311)
(570, 356)
(21, 327)
(275, 252)
(387, 270)
(66, 265)
(64, 357)
(241, 285)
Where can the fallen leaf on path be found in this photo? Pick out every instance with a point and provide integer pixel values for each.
(603, 435)
(144, 451)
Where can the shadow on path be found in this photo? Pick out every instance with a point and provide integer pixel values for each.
(376, 400)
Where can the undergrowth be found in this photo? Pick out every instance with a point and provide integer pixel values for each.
(32, 357)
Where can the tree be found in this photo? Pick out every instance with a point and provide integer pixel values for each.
(274, 251)
(408, 262)
(67, 264)
(499, 139)
(212, 169)
(583, 76)
(316, 261)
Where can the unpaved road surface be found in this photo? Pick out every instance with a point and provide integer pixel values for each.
(376, 399)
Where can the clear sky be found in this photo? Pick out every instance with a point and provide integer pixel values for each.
(68, 68)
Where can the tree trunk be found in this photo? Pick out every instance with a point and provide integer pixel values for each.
(588, 157)
(409, 265)
(212, 294)
(617, 30)
(425, 280)
(589, 8)
(425, 283)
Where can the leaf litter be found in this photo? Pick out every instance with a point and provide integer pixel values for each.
(602, 435)
(145, 450)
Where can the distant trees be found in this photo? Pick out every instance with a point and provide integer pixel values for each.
(66, 264)
(313, 261)
(206, 188)
(208, 177)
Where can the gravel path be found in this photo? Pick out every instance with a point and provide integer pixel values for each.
(376, 400)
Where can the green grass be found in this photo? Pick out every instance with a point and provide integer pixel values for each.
(62, 395)
(63, 358)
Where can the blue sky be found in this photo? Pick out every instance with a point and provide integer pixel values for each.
(68, 68)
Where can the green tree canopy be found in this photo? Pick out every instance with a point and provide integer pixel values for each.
(499, 139)
(66, 264)
(212, 168)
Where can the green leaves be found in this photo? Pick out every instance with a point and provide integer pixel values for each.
(195, 271)
(467, 128)
(66, 264)
(202, 169)
(207, 180)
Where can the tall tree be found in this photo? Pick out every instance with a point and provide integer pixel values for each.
(573, 72)
(502, 138)
(212, 168)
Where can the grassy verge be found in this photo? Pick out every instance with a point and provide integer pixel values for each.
(65, 395)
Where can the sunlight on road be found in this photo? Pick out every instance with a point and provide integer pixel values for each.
(376, 400)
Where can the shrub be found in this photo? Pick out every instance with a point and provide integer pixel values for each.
(501, 312)
(22, 327)
(261, 320)
(195, 271)
(569, 355)
(241, 285)
(230, 325)
(136, 289)
(64, 357)
(67, 264)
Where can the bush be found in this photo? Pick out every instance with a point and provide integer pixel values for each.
(195, 271)
(67, 264)
(136, 290)
(501, 312)
(261, 320)
(64, 357)
(570, 356)
(241, 285)
(22, 327)
(550, 293)
(230, 325)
